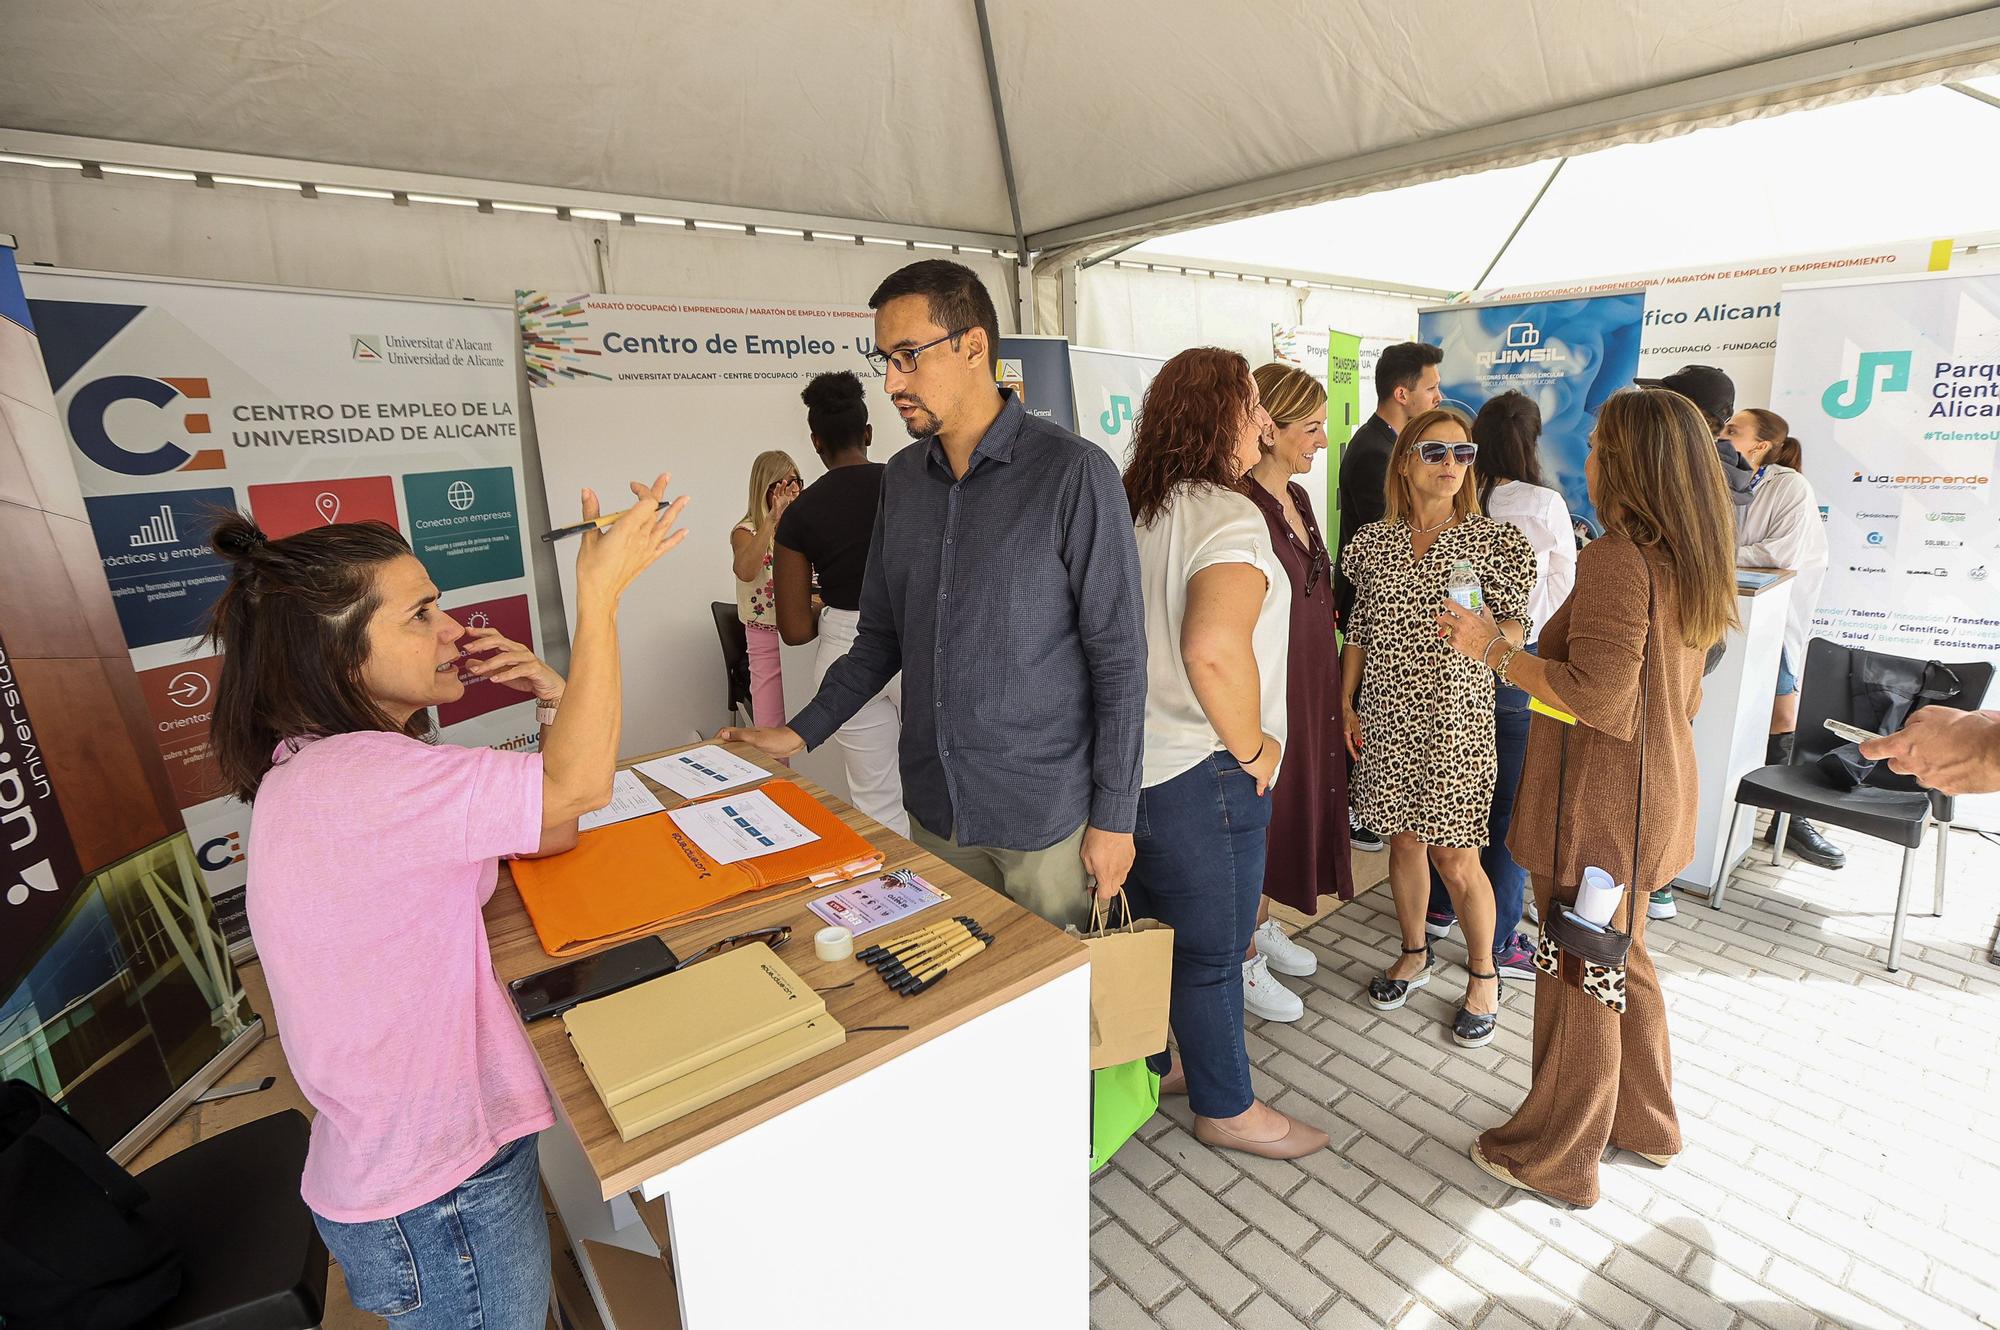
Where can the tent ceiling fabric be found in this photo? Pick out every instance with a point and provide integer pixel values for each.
(874, 109)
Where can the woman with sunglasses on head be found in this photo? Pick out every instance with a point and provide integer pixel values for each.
(1309, 854)
(774, 483)
(1422, 728)
(1624, 657)
(375, 849)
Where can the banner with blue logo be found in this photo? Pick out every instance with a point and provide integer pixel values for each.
(1892, 387)
(1568, 355)
(182, 400)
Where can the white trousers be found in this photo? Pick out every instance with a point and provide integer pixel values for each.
(868, 742)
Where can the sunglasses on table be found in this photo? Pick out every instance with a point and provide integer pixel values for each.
(773, 938)
(1437, 454)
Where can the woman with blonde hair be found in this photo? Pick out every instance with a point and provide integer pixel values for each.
(1624, 658)
(774, 483)
(1422, 726)
(1309, 854)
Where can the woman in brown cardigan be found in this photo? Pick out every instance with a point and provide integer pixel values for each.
(1598, 1077)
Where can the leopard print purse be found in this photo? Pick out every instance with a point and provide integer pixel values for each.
(1602, 952)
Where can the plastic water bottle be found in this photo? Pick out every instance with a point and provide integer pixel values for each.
(1462, 585)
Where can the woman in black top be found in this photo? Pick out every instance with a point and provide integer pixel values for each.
(825, 534)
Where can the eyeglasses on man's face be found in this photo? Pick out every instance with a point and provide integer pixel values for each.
(904, 359)
(1437, 454)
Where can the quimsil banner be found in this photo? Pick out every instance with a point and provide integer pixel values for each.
(625, 387)
(184, 399)
(1568, 355)
(1727, 315)
(1892, 388)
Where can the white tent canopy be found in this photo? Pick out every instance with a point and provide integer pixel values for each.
(1833, 178)
(1121, 121)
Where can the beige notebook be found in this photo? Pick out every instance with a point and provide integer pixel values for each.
(699, 1088)
(665, 1028)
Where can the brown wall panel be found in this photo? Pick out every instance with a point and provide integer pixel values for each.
(39, 611)
(97, 763)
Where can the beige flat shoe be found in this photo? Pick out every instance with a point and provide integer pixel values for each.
(1501, 1171)
(1296, 1143)
(1175, 1081)
(1660, 1161)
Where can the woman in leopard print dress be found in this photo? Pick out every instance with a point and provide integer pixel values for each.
(1423, 729)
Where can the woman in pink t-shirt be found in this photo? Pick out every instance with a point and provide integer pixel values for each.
(373, 848)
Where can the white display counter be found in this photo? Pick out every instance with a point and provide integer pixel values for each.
(1732, 728)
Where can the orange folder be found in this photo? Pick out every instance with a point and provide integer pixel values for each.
(638, 877)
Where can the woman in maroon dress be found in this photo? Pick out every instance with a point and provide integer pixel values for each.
(1309, 850)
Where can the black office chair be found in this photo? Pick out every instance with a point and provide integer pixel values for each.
(1890, 807)
(252, 1258)
(735, 658)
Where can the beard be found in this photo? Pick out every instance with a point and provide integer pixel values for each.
(922, 422)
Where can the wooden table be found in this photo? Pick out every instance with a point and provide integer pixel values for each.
(948, 1157)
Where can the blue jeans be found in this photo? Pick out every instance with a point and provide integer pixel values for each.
(1510, 880)
(1198, 867)
(476, 1258)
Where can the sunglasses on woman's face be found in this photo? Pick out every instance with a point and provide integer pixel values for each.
(1437, 454)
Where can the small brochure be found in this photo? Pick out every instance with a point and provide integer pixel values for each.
(629, 799)
(745, 826)
(880, 900)
(700, 772)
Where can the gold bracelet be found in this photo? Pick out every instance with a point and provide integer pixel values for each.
(1505, 661)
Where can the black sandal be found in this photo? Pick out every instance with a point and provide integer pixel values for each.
(1386, 994)
(1477, 1031)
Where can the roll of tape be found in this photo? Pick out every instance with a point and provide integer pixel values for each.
(833, 944)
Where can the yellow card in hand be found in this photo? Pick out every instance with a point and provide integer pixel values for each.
(1536, 704)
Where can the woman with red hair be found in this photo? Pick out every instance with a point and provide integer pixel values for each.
(1218, 618)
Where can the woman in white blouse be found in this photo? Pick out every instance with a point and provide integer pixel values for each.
(1782, 529)
(1508, 431)
(1218, 622)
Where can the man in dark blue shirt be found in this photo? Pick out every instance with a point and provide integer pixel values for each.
(1003, 581)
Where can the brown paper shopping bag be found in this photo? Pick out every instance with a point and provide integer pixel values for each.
(1131, 970)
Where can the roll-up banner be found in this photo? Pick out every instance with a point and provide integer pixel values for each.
(182, 399)
(1110, 385)
(1726, 315)
(1568, 355)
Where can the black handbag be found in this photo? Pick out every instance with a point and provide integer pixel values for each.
(1602, 951)
(1885, 691)
(75, 1252)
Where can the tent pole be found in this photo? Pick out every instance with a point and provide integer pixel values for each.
(1533, 203)
(1975, 94)
(1000, 129)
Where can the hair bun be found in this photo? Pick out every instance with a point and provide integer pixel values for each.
(237, 538)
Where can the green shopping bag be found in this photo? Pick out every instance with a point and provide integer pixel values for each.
(1121, 1099)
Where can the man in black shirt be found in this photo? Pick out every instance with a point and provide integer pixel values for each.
(1407, 384)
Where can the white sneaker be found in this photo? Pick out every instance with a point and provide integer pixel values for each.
(1533, 915)
(1265, 997)
(1285, 955)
